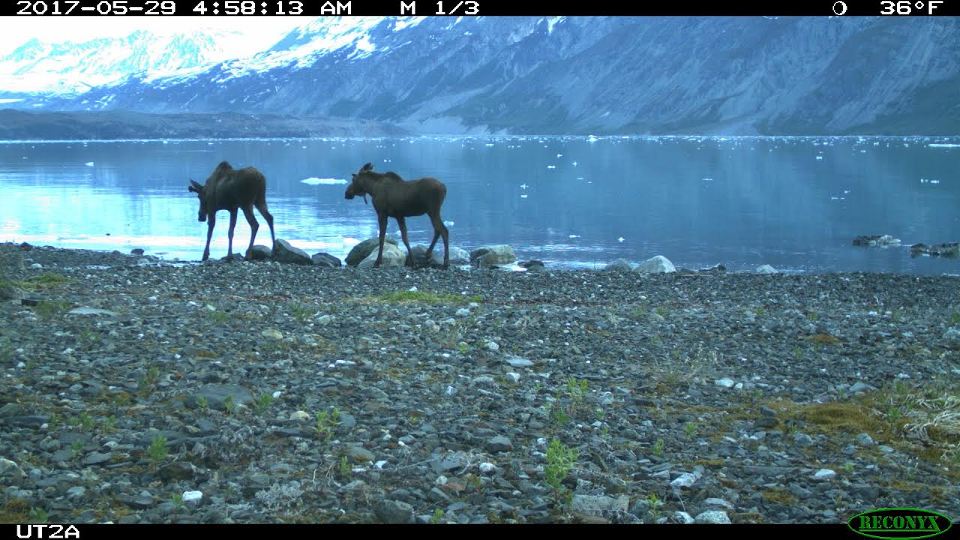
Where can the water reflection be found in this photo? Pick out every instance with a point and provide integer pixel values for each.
(795, 203)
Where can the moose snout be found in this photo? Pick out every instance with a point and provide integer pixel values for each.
(201, 217)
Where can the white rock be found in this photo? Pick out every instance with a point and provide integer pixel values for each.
(192, 498)
(683, 517)
(713, 517)
(91, 311)
(824, 474)
(36, 266)
(767, 269)
(300, 416)
(487, 467)
(687, 479)
(656, 265)
(492, 346)
(517, 362)
(725, 382)
(514, 377)
(463, 312)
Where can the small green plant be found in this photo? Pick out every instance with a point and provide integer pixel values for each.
(558, 416)
(690, 429)
(463, 348)
(229, 405)
(425, 297)
(177, 500)
(437, 516)
(263, 403)
(149, 380)
(48, 309)
(661, 311)
(110, 424)
(955, 318)
(658, 448)
(219, 317)
(327, 422)
(577, 390)
(76, 448)
(560, 461)
(38, 515)
(157, 451)
(345, 470)
(759, 312)
(848, 467)
(85, 421)
(301, 312)
(203, 403)
(654, 503)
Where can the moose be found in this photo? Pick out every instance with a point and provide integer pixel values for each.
(229, 189)
(397, 198)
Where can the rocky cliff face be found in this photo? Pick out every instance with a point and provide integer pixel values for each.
(589, 75)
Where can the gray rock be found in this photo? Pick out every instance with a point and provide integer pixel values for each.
(10, 409)
(493, 255)
(325, 260)
(96, 458)
(683, 518)
(10, 470)
(619, 265)
(599, 505)
(715, 517)
(260, 253)
(178, 470)
(285, 253)
(392, 256)
(499, 444)
(860, 387)
(725, 383)
(865, 439)
(533, 265)
(803, 439)
(721, 503)
(217, 394)
(362, 250)
(91, 311)
(76, 492)
(359, 454)
(517, 362)
(390, 511)
(656, 265)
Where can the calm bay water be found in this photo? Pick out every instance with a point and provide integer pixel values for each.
(794, 203)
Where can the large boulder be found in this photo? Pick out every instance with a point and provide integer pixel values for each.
(656, 265)
(362, 250)
(951, 249)
(457, 255)
(285, 253)
(392, 256)
(619, 265)
(326, 260)
(260, 253)
(876, 240)
(493, 255)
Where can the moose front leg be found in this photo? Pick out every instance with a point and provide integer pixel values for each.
(233, 224)
(211, 221)
(382, 222)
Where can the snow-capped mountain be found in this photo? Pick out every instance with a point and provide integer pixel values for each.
(67, 67)
(734, 75)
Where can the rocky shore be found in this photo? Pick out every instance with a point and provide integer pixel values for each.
(138, 391)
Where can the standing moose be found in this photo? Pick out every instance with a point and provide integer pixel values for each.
(229, 189)
(394, 197)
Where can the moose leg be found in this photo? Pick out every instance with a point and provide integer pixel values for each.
(440, 229)
(262, 207)
(436, 235)
(403, 235)
(252, 221)
(233, 223)
(382, 221)
(211, 221)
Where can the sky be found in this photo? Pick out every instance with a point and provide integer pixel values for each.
(252, 34)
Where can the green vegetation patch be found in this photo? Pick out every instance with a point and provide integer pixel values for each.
(423, 297)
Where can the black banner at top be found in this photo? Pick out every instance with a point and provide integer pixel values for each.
(467, 8)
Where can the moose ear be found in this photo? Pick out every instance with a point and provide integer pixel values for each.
(367, 167)
(194, 187)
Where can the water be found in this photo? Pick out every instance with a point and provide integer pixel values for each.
(794, 203)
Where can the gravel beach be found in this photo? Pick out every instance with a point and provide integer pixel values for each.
(139, 391)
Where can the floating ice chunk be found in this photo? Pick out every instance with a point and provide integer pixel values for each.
(314, 181)
(551, 166)
(621, 239)
(934, 181)
(559, 155)
(574, 163)
(943, 145)
(819, 158)
(89, 164)
(592, 139)
(707, 179)
(524, 186)
(574, 236)
(489, 145)
(448, 223)
(524, 196)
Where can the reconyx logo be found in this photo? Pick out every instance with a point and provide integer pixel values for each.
(899, 523)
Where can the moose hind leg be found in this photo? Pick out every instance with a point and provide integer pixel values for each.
(233, 224)
(262, 207)
(439, 229)
(254, 225)
(403, 235)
